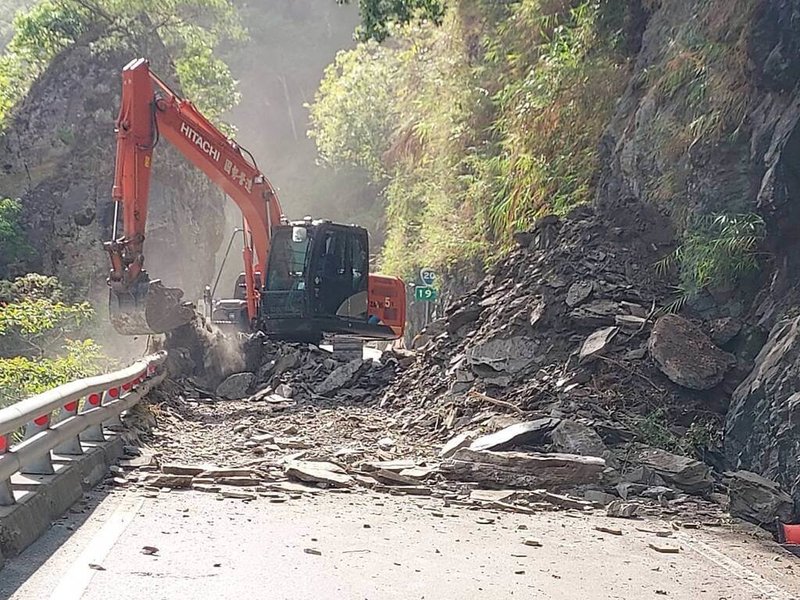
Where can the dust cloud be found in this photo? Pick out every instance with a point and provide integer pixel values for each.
(201, 350)
(279, 70)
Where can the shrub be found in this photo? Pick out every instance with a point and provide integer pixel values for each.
(716, 251)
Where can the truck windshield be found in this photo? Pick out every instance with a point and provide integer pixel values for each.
(287, 262)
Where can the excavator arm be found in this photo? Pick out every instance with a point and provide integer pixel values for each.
(149, 111)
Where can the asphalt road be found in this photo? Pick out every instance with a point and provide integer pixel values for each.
(367, 546)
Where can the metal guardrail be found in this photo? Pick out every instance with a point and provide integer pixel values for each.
(57, 421)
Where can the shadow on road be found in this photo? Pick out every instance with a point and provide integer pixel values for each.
(18, 569)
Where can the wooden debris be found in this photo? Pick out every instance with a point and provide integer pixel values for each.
(610, 530)
(665, 549)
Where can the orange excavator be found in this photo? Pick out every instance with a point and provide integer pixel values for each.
(301, 280)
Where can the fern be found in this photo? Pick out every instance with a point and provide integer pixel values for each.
(716, 251)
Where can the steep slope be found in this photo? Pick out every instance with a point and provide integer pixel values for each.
(57, 156)
(721, 135)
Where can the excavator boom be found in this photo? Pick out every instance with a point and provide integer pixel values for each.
(318, 282)
(150, 110)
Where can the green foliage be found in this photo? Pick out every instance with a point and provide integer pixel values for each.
(31, 286)
(380, 17)
(655, 430)
(39, 34)
(716, 251)
(14, 246)
(478, 126)
(21, 377)
(559, 93)
(355, 113)
(702, 93)
(190, 29)
(207, 81)
(38, 325)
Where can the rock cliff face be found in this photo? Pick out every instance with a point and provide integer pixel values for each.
(57, 155)
(709, 123)
(709, 120)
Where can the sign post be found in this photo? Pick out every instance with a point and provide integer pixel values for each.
(426, 292)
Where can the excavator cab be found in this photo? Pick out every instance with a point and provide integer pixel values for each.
(318, 282)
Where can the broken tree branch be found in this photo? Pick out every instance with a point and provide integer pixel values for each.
(483, 397)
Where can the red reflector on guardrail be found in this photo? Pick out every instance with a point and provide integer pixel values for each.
(70, 406)
(3, 444)
(113, 392)
(94, 399)
(42, 421)
(126, 386)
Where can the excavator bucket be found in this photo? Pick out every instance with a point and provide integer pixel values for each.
(148, 308)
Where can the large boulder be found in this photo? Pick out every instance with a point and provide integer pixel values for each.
(497, 357)
(683, 472)
(686, 355)
(571, 437)
(757, 499)
(340, 377)
(236, 386)
(762, 429)
(522, 469)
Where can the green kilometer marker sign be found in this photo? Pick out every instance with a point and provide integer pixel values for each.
(425, 294)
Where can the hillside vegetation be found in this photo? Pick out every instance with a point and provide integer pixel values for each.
(496, 116)
(478, 125)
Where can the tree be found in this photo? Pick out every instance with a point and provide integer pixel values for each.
(379, 16)
(13, 243)
(190, 29)
(35, 320)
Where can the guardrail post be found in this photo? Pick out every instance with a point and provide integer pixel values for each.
(115, 421)
(42, 465)
(6, 493)
(95, 432)
(73, 446)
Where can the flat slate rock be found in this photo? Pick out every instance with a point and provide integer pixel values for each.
(318, 472)
(520, 434)
(597, 342)
(236, 386)
(462, 440)
(757, 499)
(522, 469)
(687, 474)
(572, 437)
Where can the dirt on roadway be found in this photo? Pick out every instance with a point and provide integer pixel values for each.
(376, 546)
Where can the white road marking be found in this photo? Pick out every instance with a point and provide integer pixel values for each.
(77, 579)
(737, 569)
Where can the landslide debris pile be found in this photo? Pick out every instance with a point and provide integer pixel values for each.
(562, 327)
(544, 379)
